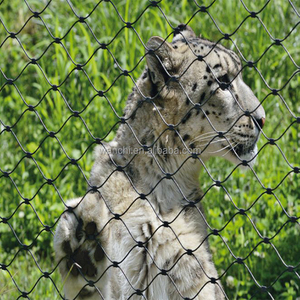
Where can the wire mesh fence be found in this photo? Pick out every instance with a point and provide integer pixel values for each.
(66, 70)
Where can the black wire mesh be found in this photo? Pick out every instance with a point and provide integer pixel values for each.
(28, 216)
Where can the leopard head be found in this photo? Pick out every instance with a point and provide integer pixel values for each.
(198, 88)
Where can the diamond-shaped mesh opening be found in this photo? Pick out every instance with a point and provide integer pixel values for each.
(66, 70)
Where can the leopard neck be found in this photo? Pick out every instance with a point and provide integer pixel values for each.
(158, 167)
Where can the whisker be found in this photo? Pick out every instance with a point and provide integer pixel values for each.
(220, 150)
(233, 147)
(213, 142)
(210, 137)
(204, 136)
(202, 139)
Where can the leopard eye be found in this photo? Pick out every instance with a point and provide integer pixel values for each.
(225, 78)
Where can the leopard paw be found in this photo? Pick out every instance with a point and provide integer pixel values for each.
(78, 248)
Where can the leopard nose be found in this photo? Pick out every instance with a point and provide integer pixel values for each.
(261, 122)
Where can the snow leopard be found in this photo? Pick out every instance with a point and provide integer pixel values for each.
(140, 232)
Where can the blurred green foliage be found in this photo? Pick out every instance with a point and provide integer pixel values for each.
(74, 136)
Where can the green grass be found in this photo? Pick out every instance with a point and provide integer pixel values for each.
(78, 91)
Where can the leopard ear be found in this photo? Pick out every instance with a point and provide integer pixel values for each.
(183, 32)
(161, 59)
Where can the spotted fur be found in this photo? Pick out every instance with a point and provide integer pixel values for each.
(139, 232)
